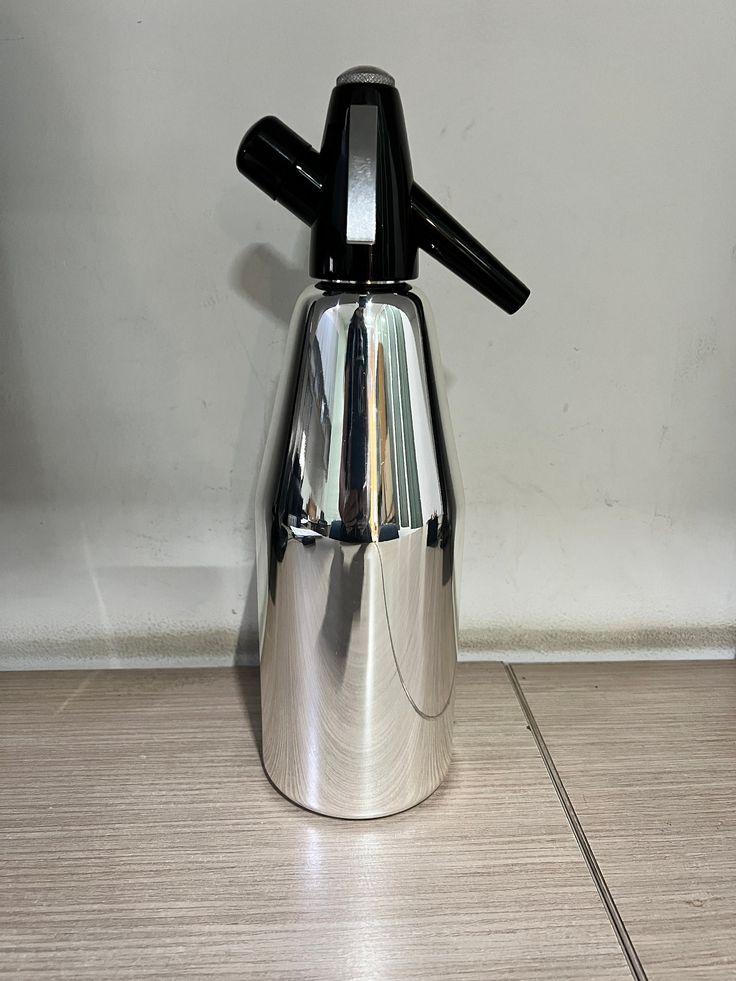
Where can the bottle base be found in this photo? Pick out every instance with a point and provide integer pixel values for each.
(341, 814)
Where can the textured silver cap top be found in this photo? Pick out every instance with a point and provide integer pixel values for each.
(366, 75)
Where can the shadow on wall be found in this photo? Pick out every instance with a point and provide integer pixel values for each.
(22, 472)
(59, 206)
(264, 277)
(272, 283)
(21, 475)
(267, 279)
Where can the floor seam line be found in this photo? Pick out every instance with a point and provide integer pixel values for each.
(609, 904)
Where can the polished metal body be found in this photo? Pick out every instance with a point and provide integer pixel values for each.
(359, 500)
(358, 539)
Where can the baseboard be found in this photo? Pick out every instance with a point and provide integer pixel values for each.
(223, 648)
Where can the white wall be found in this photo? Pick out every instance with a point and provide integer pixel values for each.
(144, 289)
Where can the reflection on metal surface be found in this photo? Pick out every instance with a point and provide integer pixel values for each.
(357, 532)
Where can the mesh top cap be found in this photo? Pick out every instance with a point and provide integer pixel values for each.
(365, 75)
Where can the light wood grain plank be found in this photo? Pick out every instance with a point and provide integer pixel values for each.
(141, 839)
(647, 754)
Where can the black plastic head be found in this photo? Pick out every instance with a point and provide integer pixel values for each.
(363, 230)
(367, 215)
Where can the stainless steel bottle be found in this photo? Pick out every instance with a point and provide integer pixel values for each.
(359, 500)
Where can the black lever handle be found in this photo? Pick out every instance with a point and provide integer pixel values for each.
(283, 165)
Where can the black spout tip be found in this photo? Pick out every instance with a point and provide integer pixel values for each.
(443, 237)
(516, 295)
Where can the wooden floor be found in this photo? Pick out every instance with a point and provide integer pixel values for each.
(647, 755)
(139, 837)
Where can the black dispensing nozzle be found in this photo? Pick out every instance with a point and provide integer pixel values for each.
(439, 234)
(368, 216)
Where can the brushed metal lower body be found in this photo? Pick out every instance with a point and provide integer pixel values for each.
(354, 724)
